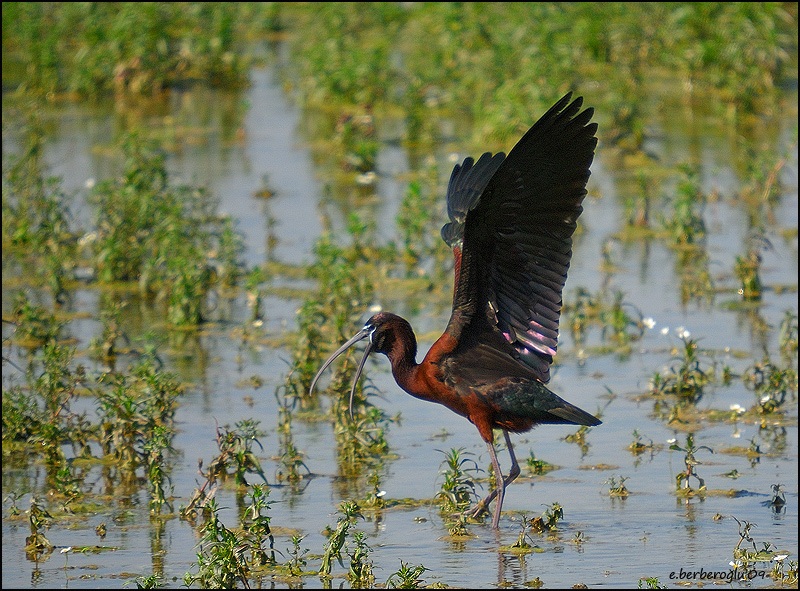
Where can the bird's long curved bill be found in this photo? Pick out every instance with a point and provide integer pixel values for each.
(362, 334)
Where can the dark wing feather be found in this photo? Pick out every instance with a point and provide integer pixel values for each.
(517, 235)
(467, 181)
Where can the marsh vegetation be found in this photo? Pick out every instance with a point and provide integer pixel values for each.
(202, 200)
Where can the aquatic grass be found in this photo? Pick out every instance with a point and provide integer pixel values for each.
(165, 237)
(374, 500)
(343, 292)
(524, 544)
(34, 325)
(650, 583)
(488, 61)
(291, 458)
(749, 558)
(772, 385)
(579, 439)
(747, 268)
(638, 446)
(352, 67)
(360, 442)
(136, 410)
(537, 466)
(257, 524)
(236, 453)
(360, 573)
(682, 479)
(38, 418)
(548, 521)
(222, 555)
(106, 346)
(37, 545)
(297, 562)
(620, 322)
(616, 486)
(407, 577)
(132, 50)
(37, 222)
(158, 480)
(335, 544)
(686, 226)
(787, 337)
(457, 491)
(688, 375)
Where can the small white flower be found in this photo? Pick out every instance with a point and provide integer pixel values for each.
(671, 441)
(649, 322)
(682, 333)
(780, 557)
(258, 323)
(87, 238)
(737, 408)
(368, 178)
(665, 330)
(765, 399)
(375, 308)
(90, 183)
(380, 494)
(67, 549)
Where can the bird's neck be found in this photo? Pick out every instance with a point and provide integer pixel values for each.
(403, 356)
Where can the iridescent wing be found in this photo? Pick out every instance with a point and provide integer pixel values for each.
(511, 224)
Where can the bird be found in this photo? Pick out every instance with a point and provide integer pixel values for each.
(511, 221)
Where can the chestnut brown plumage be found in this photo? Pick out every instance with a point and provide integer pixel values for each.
(511, 224)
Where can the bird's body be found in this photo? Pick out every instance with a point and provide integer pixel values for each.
(511, 225)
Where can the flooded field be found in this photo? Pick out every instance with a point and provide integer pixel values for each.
(627, 518)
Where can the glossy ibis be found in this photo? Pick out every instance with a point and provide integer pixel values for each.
(511, 224)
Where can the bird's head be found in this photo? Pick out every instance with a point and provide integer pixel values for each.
(382, 332)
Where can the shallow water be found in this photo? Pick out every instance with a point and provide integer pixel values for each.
(652, 533)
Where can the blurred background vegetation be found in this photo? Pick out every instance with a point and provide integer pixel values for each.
(491, 61)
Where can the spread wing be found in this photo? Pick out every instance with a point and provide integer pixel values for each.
(511, 224)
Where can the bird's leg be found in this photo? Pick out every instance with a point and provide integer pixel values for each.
(513, 472)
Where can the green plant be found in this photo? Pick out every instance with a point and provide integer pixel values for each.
(297, 561)
(538, 466)
(616, 488)
(787, 338)
(687, 377)
(686, 226)
(360, 575)
(153, 581)
(523, 539)
(257, 524)
(457, 491)
(336, 539)
(153, 449)
(549, 519)
(235, 446)
(222, 555)
(165, 237)
(290, 457)
(771, 385)
(36, 216)
(637, 446)
(650, 583)
(407, 577)
(682, 479)
(37, 544)
(135, 409)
